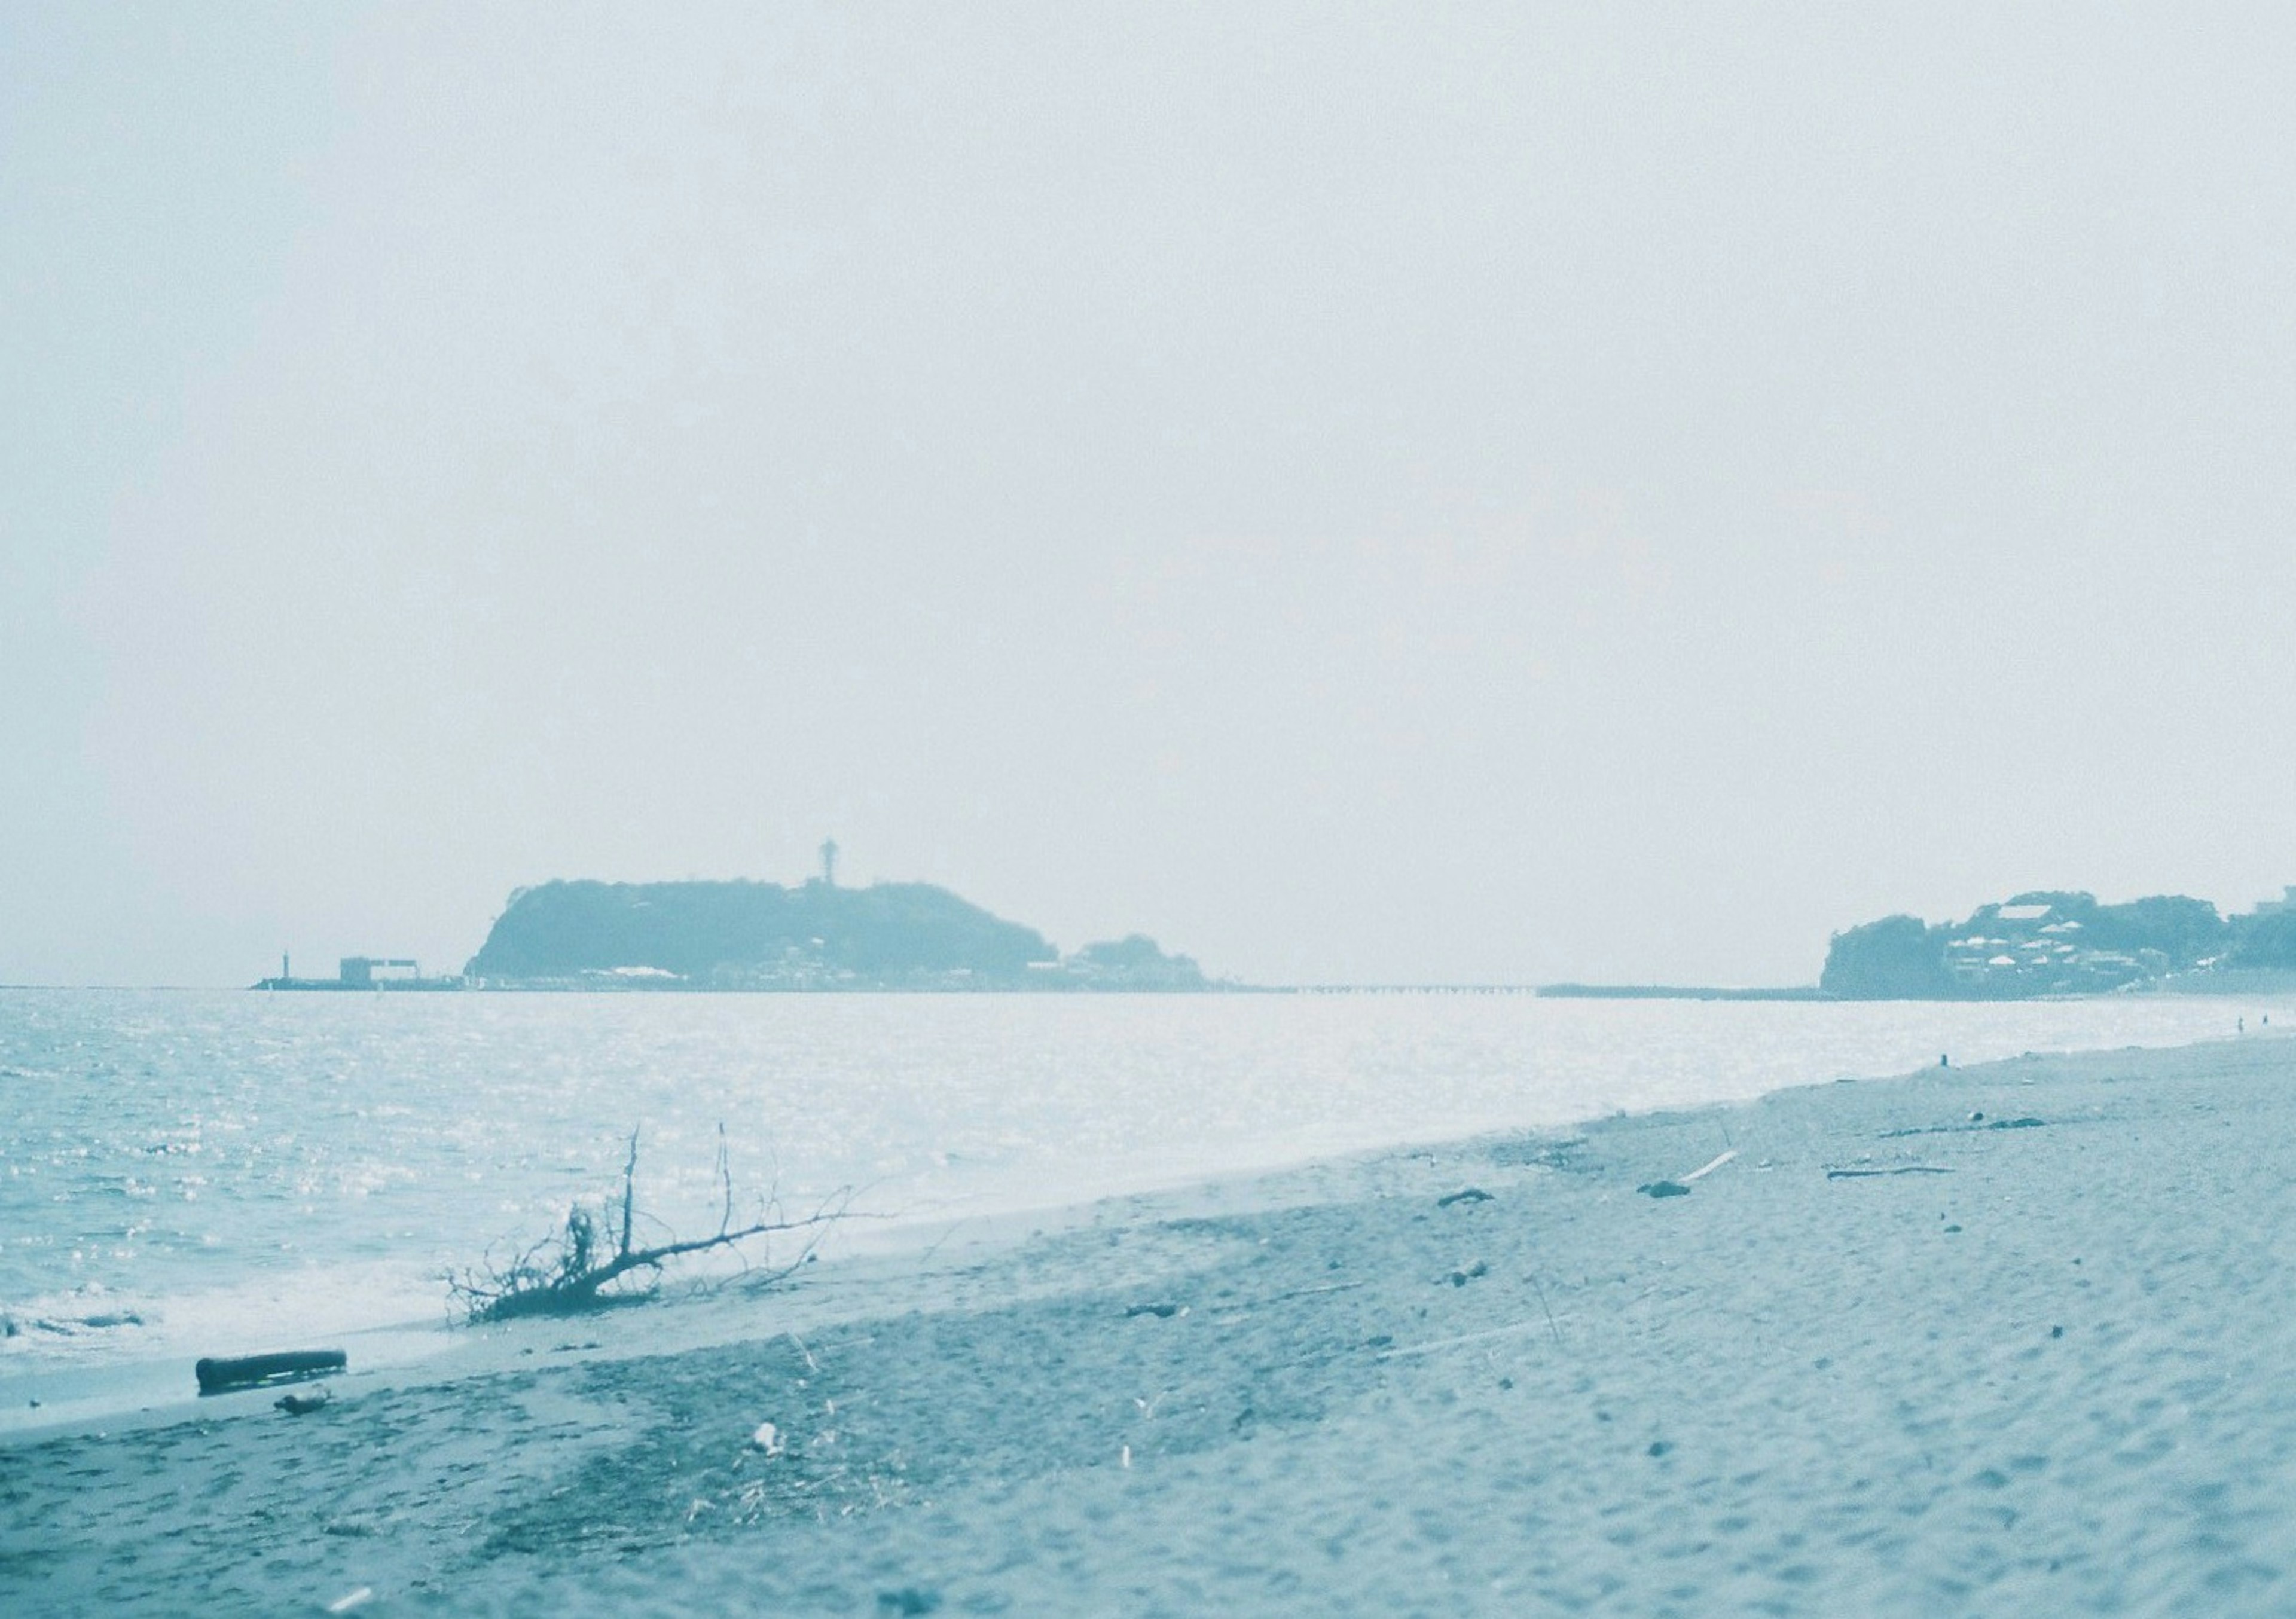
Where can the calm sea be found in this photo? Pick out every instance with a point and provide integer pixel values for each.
(186, 1172)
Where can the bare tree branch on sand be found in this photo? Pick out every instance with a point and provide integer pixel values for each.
(573, 1269)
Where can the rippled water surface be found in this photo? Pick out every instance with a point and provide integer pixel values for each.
(180, 1166)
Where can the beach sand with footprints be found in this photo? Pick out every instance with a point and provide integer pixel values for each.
(2017, 1338)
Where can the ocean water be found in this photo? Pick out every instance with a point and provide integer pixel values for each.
(197, 1173)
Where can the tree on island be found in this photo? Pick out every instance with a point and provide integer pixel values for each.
(708, 932)
(2268, 941)
(1897, 958)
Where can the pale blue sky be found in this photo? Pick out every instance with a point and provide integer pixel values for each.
(1375, 492)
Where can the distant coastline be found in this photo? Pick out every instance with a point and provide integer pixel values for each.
(1679, 991)
(739, 935)
(819, 936)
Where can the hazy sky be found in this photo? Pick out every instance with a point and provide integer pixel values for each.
(1410, 492)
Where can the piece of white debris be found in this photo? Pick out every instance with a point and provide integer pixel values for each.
(767, 1438)
(345, 1603)
(1127, 1455)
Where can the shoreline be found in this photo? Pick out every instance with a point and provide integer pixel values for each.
(1993, 1338)
(83, 1394)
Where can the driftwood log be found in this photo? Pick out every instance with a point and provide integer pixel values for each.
(574, 1270)
(220, 1375)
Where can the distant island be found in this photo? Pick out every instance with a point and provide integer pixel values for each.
(2031, 946)
(2052, 942)
(816, 936)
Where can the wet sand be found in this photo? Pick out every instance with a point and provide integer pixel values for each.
(2011, 1339)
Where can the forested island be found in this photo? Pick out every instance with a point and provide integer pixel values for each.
(815, 936)
(2053, 943)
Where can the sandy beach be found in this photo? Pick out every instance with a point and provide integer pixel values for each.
(2009, 1339)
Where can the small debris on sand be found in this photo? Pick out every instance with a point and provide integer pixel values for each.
(1902, 1169)
(1681, 1188)
(1977, 1121)
(218, 1375)
(1704, 1170)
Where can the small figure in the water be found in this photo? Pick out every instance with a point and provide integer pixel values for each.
(1942, 1063)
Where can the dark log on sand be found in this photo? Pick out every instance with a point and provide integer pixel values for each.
(217, 1376)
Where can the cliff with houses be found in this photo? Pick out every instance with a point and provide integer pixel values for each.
(2052, 942)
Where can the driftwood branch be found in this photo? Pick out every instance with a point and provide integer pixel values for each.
(570, 1272)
